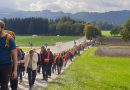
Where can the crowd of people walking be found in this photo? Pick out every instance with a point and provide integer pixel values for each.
(45, 62)
(14, 65)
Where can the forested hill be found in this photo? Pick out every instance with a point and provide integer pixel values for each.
(114, 17)
(29, 26)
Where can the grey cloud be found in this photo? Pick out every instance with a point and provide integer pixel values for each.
(67, 5)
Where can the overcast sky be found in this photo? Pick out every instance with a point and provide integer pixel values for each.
(67, 5)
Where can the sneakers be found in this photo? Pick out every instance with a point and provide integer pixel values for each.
(43, 79)
(49, 76)
(33, 86)
(21, 81)
(30, 88)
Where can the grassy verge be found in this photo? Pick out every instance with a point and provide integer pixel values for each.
(89, 72)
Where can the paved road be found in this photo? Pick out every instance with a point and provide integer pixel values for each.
(64, 46)
(40, 84)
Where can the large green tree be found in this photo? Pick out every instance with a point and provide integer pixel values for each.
(91, 31)
(125, 33)
(115, 31)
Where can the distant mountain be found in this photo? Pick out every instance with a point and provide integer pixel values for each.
(115, 17)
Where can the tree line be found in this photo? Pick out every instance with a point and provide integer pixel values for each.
(40, 26)
(93, 31)
(64, 26)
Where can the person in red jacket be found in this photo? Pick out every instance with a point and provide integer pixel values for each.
(44, 61)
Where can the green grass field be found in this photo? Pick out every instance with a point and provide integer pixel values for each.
(106, 33)
(89, 72)
(40, 40)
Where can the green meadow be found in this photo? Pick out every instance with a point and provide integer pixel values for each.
(89, 72)
(105, 33)
(40, 40)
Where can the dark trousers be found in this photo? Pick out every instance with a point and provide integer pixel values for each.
(45, 70)
(49, 69)
(20, 71)
(39, 67)
(5, 72)
(14, 82)
(53, 67)
(31, 76)
(59, 68)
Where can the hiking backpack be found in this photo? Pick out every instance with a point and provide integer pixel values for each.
(10, 35)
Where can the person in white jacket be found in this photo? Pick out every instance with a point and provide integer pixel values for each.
(31, 60)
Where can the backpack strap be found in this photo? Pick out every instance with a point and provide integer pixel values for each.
(8, 37)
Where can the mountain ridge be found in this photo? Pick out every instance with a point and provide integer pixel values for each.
(114, 17)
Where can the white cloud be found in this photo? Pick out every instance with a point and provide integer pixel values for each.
(10, 4)
(68, 5)
(29, 5)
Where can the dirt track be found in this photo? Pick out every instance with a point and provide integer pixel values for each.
(113, 52)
